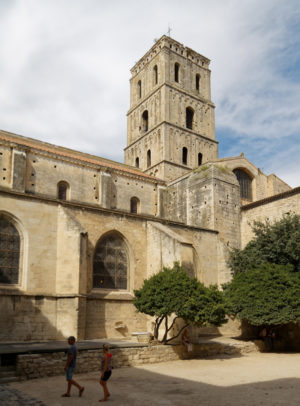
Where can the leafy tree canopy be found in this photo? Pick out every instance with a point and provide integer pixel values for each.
(267, 295)
(277, 243)
(172, 291)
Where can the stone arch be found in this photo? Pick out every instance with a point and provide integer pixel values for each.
(111, 262)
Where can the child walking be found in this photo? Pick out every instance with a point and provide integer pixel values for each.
(106, 367)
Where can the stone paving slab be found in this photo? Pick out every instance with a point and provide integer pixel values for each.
(250, 380)
(13, 397)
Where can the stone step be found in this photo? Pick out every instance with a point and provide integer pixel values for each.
(8, 374)
(8, 379)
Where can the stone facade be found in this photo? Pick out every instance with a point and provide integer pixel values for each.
(80, 233)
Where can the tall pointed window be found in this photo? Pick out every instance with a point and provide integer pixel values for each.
(62, 190)
(110, 265)
(199, 159)
(137, 162)
(189, 116)
(9, 252)
(148, 158)
(176, 72)
(184, 155)
(245, 182)
(155, 75)
(145, 121)
(197, 82)
(134, 205)
(139, 89)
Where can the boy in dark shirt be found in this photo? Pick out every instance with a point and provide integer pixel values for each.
(70, 368)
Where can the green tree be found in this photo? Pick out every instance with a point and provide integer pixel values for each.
(277, 243)
(267, 295)
(172, 291)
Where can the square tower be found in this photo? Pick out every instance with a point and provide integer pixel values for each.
(170, 124)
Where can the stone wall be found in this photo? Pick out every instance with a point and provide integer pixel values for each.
(31, 366)
(271, 209)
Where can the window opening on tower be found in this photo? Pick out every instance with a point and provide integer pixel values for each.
(139, 89)
(155, 75)
(148, 158)
(176, 72)
(184, 155)
(199, 159)
(145, 121)
(197, 82)
(189, 118)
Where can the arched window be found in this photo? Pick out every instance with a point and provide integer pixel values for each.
(189, 116)
(9, 252)
(199, 159)
(148, 158)
(245, 182)
(139, 89)
(62, 190)
(145, 121)
(184, 155)
(176, 72)
(137, 162)
(155, 75)
(110, 266)
(134, 205)
(197, 81)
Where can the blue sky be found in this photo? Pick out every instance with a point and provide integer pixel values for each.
(64, 71)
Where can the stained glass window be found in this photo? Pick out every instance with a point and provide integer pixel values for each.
(110, 263)
(245, 184)
(9, 252)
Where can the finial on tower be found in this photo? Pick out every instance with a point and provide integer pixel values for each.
(169, 31)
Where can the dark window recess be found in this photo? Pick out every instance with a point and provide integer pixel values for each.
(189, 115)
(8, 360)
(245, 184)
(176, 72)
(134, 204)
(137, 162)
(110, 263)
(145, 121)
(148, 158)
(139, 89)
(197, 82)
(155, 75)
(62, 190)
(9, 252)
(199, 159)
(184, 155)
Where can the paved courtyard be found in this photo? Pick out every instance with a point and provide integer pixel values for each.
(254, 379)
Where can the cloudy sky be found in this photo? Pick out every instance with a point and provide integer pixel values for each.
(64, 71)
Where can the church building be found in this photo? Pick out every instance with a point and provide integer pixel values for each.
(79, 233)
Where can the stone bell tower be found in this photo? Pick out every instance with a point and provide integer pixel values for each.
(170, 125)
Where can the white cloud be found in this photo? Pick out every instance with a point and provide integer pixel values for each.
(64, 68)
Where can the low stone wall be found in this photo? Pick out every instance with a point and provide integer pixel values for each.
(31, 366)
